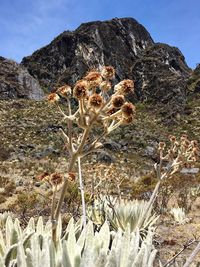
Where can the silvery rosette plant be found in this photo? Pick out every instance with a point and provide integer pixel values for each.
(33, 246)
(99, 106)
(121, 214)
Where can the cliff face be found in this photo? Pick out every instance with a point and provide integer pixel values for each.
(161, 76)
(118, 42)
(194, 81)
(16, 82)
(159, 70)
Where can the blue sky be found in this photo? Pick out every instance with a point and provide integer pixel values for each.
(27, 25)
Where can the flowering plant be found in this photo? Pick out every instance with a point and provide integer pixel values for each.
(98, 106)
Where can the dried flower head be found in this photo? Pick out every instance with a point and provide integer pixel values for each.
(128, 109)
(64, 90)
(118, 101)
(43, 176)
(194, 159)
(111, 111)
(72, 176)
(124, 87)
(53, 97)
(93, 78)
(172, 138)
(105, 86)
(187, 165)
(80, 89)
(161, 146)
(127, 120)
(108, 72)
(95, 101)
(56, 179)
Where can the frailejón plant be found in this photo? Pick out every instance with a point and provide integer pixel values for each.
(34, 246)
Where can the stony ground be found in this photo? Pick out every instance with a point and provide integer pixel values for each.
(31, 144)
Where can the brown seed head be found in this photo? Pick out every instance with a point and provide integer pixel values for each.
(95, 101)
(194, 159)
(105, 86)
(117, 101)
(72, 176)
(161, 146)
(64, 90)
(108, 72)
(56, 179)
(93, 78)
(172, 138)
(80, 89)
(127, 120)
(111, 111)
(124, 87)
(43, 176)
(187, 165)
(128, 109)
(53, 97)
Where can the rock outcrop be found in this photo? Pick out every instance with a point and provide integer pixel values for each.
(118, 42)
(194, 81)
(16, 82)
(159, 70)
(161, 76)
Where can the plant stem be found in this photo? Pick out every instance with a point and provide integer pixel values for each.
(74, 157)
(172, 260)
(69, 124)
(82, 192)
(61, 199)
(53, 204)
(192, 256)
(53, 222)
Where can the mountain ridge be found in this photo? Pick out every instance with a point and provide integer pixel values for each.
(160, 72)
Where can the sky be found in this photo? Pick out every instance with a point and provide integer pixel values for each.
(27, 25)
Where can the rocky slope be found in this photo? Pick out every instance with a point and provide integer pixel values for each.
(160, 71)
(161, 75)
(16, 82)
(194, 81)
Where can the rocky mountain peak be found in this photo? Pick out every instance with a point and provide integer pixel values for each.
(159, 70)
(116, 42)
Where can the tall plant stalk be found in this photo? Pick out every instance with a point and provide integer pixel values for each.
(82, 191)
(107, 111)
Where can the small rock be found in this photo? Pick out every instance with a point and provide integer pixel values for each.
(37, 184)
(190, 170)
(123, 143)
(149, 151)
(104, 156)
(46, 152)
(112, 145)
(19, 183)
